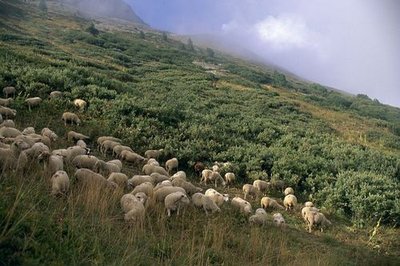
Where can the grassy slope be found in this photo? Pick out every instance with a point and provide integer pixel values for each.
(87, 226)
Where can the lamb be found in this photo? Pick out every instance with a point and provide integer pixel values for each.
(187, 186)
(7, 91)
(55, 94)
(80, 104)
(175, 201)
(85, 161)
(161, 193)
(249, 189)
(108, 145)
(33, 102)
(6, 102)
(59, 183)
(89, 178)
(261, 185)
(279, 220)
(229, 178)
(139, 179)
(146, 188)
(81, 144)
(205, 175)
(52, 163)
(119, 178)
(7, 123)
(119, 148)
(171, 164)
(259, 218)
(71, 118)
(290, 202)
(149, 169)
(74, 136)
(7, 112)
(242, 205)
(202, 201)
(49, 133)
(9, 132)
(316, 219)
(289, 191)
(106, 168)
(28, 131)
(217, 197)
(155, 154)
(267, 202)
(133, 208)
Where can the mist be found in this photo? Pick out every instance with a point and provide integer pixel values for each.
(352, 45)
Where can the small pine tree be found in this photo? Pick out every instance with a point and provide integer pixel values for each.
(190, 45)
(141, 35)
(43, 5)
(92, 29)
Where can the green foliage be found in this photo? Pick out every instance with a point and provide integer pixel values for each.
(210, 52)
(142, 35)
(279, 79)
(190, 45)
(43, 5)
(164, 36)
(92, 29)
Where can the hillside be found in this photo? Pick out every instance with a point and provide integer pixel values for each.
(153, 91)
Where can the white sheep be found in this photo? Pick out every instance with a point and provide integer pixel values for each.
(80, 104)
(7, 112)
(49, 133)
(28, 131)
(171, 164)
(308, 204)
(261, 185)
(7, 123)
(132, 157)
(290, 202)
(117, 149)
(139, 179)
(33, 102)
(81, 144)
(31, 154)
(317, 219)
(165, 183)
(146, 188)
(306, 209)
(206, 203)
(101, 139)
(85, 161)
(133, 208)
(89, 178)
(267, 202)
(74, 136)
(187, 186)
(153, 161)
(74, 151)
(55, 94)
(108, 145)
(59, 183)
(259, 218)
(9, 132)
(229, 178)
(243, 205)
(155, 154)
(7, 91)
(250, 190)
(159, 177)
(205, 175)
(1, 120)
(149, 169)
(106, 168)
(6, 102)
(175, 201)
(119, 178)
(116, 162)
(217, 197)
(179, 174)
(215, 168)
(52, 163)
(71, 118)
(160, 193)
(289, 191)
(279, 220)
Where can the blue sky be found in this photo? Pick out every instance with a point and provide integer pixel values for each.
(353, 45)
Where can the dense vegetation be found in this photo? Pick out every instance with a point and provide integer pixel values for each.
(144, 88)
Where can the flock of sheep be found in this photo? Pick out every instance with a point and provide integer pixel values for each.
(155, 185)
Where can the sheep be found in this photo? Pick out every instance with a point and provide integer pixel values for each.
(198, 167)
(33, 102)
(119, 178)
(9, 156)
(165, 183)
(85, 161)
(208, 175)
(306, 209)
(59, 183)
(1, 119)
(290, 202)
(117, 149)
(106, 168)
(205, 175)
(28, 131)
(267, 202)
(132, 157)
(55, 94)
(4, 145)
(308, 204)
(81, 144)
(101, 139)
(242, 205)
(139, 179)
(9, 132)
(146, 188)
(187, 186)
(80, 104)
(159, 177)
(8, 112)
(229, 178)
(116, 162)
(133, 208)
(108, 145)
(39, 138)
(261, 185)
(60, 152)
(289, 191)
(71, 118)
(7, 91)
(179, 174)
(75, 136)
(259, 218)
(153, 161)
(160, 194)
(155, 154)
(202, 201)
(279, 220)
(74, 151)
(49, 133)
(7, 123)
(171, 164)
(89, 178)
(217, 197)
(175, 201)
(149, 169)
(215, 168)
(249, 189)
(30, 154)
(317, 219)
(52, 163)
(6, 102)
(142, 197)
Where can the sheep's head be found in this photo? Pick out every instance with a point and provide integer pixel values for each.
(142, 197)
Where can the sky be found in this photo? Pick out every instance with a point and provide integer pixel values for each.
(352, 45)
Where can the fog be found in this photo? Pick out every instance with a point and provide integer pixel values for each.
(352, 45)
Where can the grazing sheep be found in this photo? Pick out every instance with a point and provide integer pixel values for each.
(117, 149)
(202, 201)
(89, 178)
(308, 204)
(146, 188)
(155, 154)
(159, 177)
(187, 186)
(160, 194)
(171, 164)
(317, 219)
(106, 168)
(249, 189)
(33, 102)
(59, 183)
(179, 174)
(1, 119)
(70, 118)
(80, 104)
(149, 169)
(28, 131)
(116, 162)
(60, 152)
(55, 94)
(101, 139)
(289, 191)
(108, 145)
(132, 157)
(9, 132)
(165, 183)
(74, 151)
(205, 175)
(7, 91)
(259, 218)
(85, 161)
(217, 197)
(290, 202)
(9, 156)
(49, 133)
(230, 178)
(52, 163)
(153, 161)
(119, 178)
(242, 205)
(6, 102)
(198, 167)
(7, 112)
(30, 155)
(81, 144)
(133, 208)
(75, 136)
(176, 201)
(267, 202)
(261, 185)
(7, 123)
(279, 220)
(139, 179)
(216, 177)
(306, 209)
(215, 168)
